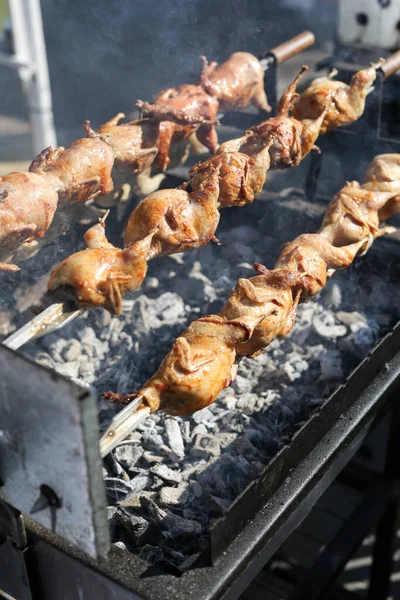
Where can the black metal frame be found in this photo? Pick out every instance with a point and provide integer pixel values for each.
(290, 485)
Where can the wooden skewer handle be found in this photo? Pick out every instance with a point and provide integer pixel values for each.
(391, 64)
(293, 46)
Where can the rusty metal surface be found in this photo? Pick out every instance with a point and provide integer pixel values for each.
(49, 438)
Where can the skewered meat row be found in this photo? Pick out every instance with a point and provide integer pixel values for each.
(167, 218)
(189, 109)
(83, 170)
(292, 139)
(344, 103)
(173, 221)
(203, 360)
(28, 201)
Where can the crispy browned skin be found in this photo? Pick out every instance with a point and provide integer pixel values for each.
(344, 103)
(27, 206)
(167, 221)
(78, 173)
(134, 144)
(171, 221)
(238, 82)
(383, 175)
(101, 274)
(203, 360)
(241, 177)
(182, 111)
(292, 140)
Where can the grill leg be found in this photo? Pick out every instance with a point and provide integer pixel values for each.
(381, 569)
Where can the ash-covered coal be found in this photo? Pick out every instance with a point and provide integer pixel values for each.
(173, 477)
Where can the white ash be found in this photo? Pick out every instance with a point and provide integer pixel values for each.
(174, 476)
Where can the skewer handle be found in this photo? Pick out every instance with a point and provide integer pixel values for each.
(391, 64)
(293, 46)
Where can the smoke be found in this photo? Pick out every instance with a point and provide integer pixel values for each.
(103, 54)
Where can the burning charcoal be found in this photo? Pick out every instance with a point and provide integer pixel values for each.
(351, 318)
(115, 468)
(177, 527)
(225, 475)
(243, 447)
(148, 314)
(325, 325)
(229, 401)
(151, 283)
(192, 469)
(116, 488)
(362, 338)
(218, 505)
(206, 446)
(242, 385)
(196, 489)
(154, 440)
(174, 436)
(186, 431)
(199, 429)
(218, 414)
(294, 366)
(176, 497)
(188, 562)
(134, 501)
(72, 350)
(226, 439)
(128, 455)
(202, 416)
(173, 526)
(151, 554)
(152, 458)
(331, 365)
(134, 524)
(69, 369)
(111, 511)
(157, 483)
(166, 474)
(147, 425)
(120, 545)
(247, 403)
(139, 483)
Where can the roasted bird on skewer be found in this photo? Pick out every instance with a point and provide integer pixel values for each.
(292, 139)
(83, 170)
(343, 103)
(238, 82)
(180, 112)
(135, 144)
(383, 174)
(78, 173)
(172, 221)
(165, 222)
(203, 360)
(192, 109)
(28, 201)
(27, 206)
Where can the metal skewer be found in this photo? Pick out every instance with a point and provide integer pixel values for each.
(52, 318)
(122, 425)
